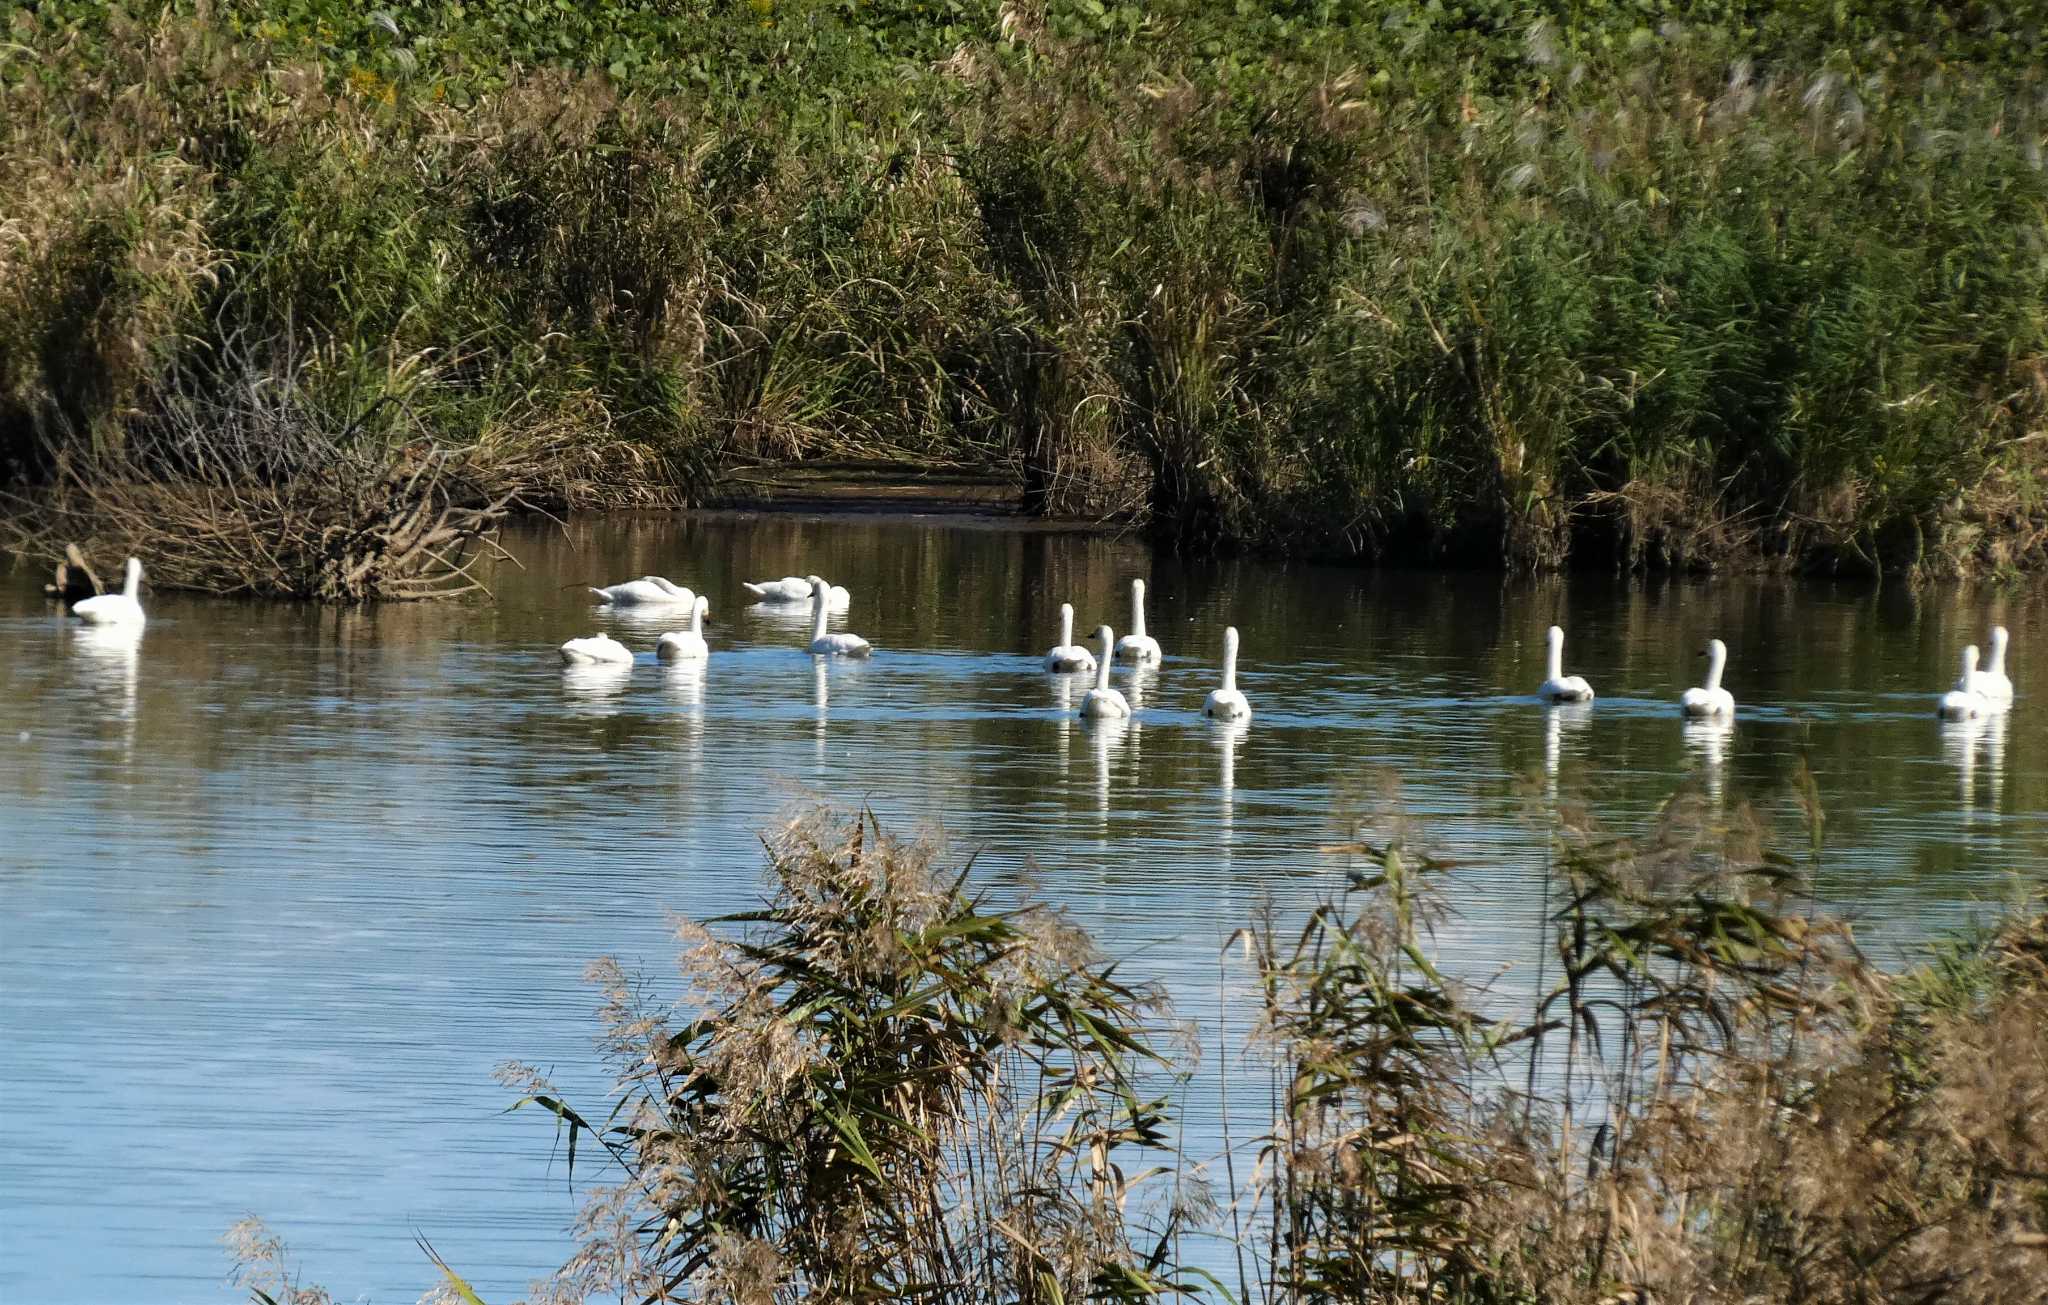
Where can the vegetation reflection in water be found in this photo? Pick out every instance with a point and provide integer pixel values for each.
(400, 833)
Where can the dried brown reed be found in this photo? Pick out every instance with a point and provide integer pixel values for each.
(879, 1088)
(882, 1090)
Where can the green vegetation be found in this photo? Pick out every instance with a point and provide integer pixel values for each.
(1754, 284)
(879, 1087)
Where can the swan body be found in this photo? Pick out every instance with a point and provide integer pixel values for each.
(1710, 699)
(124, 608)
(1137, 646)
(597, 648)
(1557, 686)
(794, 589)
(1227, 703)
(686, 645)
(1966, 701)
(648, 590)
(1990, 683)
(1068, 655)
(1103, 702)
(832, 645)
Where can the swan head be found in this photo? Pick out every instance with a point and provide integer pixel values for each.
(1229, 642)
(135, 578)
(1555, 637)
(1970, 659)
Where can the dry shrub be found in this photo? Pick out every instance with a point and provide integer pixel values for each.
(256, 483)
(880, 1090)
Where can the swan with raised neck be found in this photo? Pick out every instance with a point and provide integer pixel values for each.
(1710, 699)
(124, 608)
(831, 645)
(1557, 686)
(1137, 646)
(1102, 701)
(1227, 703)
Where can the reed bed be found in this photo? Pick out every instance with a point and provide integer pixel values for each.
(1761, 290)
(881, 1086)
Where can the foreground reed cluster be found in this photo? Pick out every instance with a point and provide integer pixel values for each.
(881, 1087)
(1442, 282)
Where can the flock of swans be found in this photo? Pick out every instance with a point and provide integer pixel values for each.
(1103, 701)
(1980, 691)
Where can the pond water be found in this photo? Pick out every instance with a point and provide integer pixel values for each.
(279, 886)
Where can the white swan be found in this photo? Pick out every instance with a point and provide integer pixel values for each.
(686, 645)
(1137, 646)
(124, 608)
(1991, 682)
(1068, 655)
(1966, 701)
(597, 648)
(832, 645)
(1710, 699)
(1227, 703)
(648, 590)
(795, 589)
(1557, 686)
(1103, 701)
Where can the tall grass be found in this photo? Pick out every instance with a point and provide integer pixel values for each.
(879, 1086)
(1761, 290)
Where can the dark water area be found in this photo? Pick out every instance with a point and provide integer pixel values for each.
(279, 885)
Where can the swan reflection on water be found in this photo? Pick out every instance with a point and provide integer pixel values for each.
(1227, 735)
(1706, 739)
(1144, 677)
(821, 696)
(1107, 734)
(110, 658)
(1961, 742)
(595, 686)
(1560, 719)
(685, 683)
(1063, 703)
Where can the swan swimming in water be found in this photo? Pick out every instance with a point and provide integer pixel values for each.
(795, 589)
(1710, 699)
(1991, 682)
(686, 645)
(1966, 701)
(597, 648)
(1102, 701)
(648, 590)
(124, 608)
(1137, 646)
(1557, 686)
(1068, 655)
(1227, 703)
(832, 645)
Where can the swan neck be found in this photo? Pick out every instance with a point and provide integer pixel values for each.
(1108, 653)
(1717, 659)
(1555, 669)
(697, 617)
(1969, 662)
(134, 581)
(1996, 665)
(1230, 659)
(1138, 609)
(1066, 625)
(817, 615)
